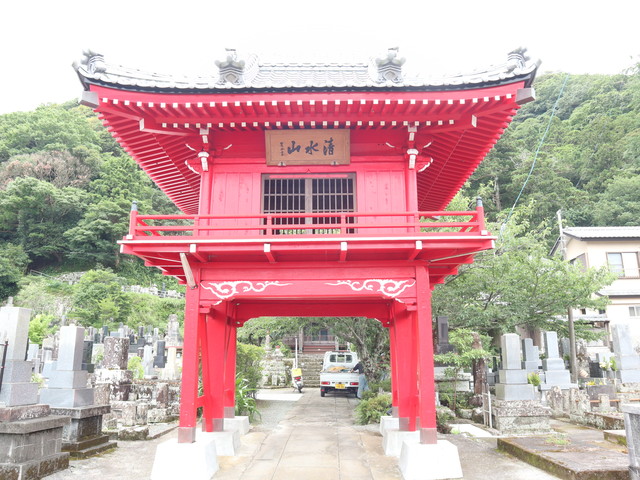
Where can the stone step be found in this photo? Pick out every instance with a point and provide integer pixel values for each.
(619, 437)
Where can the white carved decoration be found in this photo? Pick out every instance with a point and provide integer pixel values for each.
(389, 288)
(224, 290)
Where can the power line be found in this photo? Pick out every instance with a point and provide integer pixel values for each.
(535, 157)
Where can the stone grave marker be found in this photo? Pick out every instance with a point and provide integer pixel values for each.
(531, 352)
(627, 361)
(555, 373)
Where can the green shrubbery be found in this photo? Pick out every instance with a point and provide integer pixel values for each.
(370, 411)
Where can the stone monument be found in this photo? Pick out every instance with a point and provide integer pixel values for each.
(627, 361)
(68, 395)
(555, 373)
(516, 409)
(30, 437)
(531, 362)
(513, 384)
(114, 368)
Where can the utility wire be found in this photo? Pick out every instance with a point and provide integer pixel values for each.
(535, 157)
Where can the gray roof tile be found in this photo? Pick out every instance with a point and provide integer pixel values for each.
(258, 76)
(603, 232)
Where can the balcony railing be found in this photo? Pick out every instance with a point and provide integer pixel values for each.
(294, 225)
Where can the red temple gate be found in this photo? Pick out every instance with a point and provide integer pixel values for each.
(307, 190)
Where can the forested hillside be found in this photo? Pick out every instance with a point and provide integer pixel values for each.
(66, 187)
(588, 164)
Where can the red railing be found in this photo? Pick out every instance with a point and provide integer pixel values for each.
(305, 225)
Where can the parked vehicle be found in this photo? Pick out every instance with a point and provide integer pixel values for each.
(296, 378)
(336, 373)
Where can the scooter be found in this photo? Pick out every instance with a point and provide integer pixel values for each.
(296, 375)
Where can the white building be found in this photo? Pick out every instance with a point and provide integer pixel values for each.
(616, 248)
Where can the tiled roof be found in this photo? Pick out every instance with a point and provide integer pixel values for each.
(251, 75)
(618, 292)
(603, 232)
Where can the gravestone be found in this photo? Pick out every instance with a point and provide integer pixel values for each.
(69, 396)
(30, 437)
(513, 384)
(555, 373)
(160, 359)
(147, 361)
(627, 361)
(516, 409)
(443, 346)
(87, 354)
(17, 388)
(632, 430)
(531, 362)
(114, 368)
(105, 332)
(170, 371)
(67, 386)
(116, 353)
(173, 331)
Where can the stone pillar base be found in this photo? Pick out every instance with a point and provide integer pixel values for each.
(387, 422)
(393, 438)
(198, 461)
(227, 442)
(241, 424)
(419, 461)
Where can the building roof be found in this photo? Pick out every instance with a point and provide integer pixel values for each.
(250, 75)
(593, 233)
(162, 121)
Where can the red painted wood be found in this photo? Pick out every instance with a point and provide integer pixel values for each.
(230, 371)
(190, 360)
(424, 336)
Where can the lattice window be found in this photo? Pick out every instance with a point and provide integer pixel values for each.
(308, 195)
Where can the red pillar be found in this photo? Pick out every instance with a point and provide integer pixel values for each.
(230, 373)
(394, 372)
(207, 406)
(190, 354)
(426, 384)
(405, 369)
(216, 339)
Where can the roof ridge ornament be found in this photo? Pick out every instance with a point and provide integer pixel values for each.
(231, 70)
(94, 62)
(390, 66)
(518, 58)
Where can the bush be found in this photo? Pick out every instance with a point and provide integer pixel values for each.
(135, 365)
(248, 366)
(245, 401)
(370, 411)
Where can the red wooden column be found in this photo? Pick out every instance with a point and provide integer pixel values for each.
(406, 372)
(216, 333)
(426, 383)
(394, 370)
(207, 406)
(230, 372)
(190, 358)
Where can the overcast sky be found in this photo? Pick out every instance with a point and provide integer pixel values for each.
(39, 39)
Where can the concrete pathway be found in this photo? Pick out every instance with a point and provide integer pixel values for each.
(305, 437)
(316, 439)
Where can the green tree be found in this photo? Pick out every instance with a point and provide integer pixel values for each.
(95, 236)
(517, 284)
(13, 262)
(462, 358)
(40, 327)
(619, 204)
(98, 299)
(35, 215)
